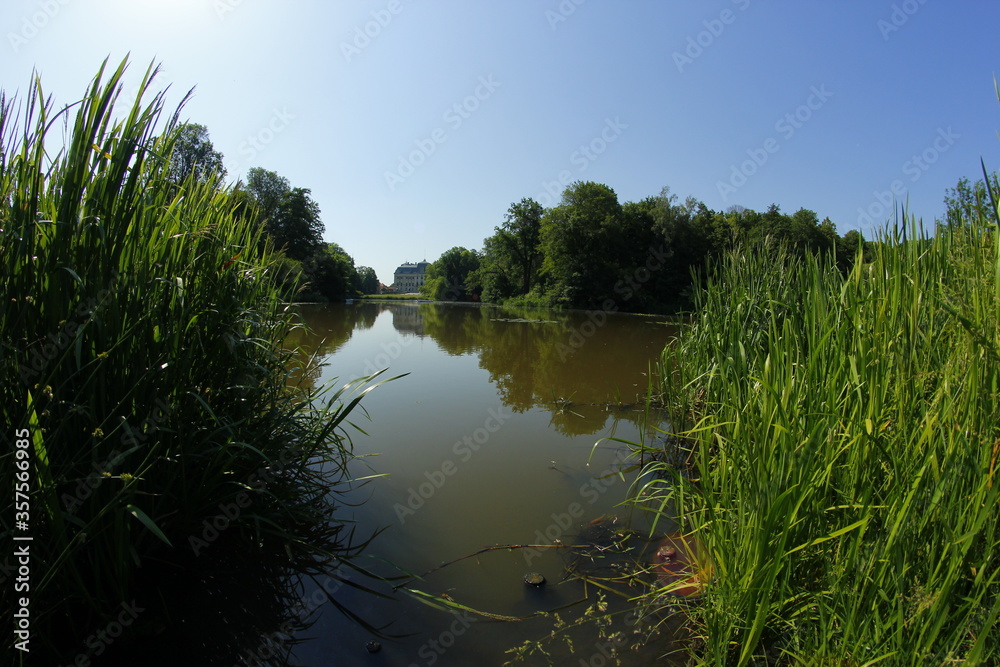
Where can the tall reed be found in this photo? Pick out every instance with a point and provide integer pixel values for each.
(846, 432)
(140, 347)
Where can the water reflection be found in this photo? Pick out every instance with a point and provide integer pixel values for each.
(583, 367)
(533, 391)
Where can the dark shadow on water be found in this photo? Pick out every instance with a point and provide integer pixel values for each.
(235, 604)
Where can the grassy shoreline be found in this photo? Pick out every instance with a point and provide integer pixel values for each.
(392, 297)
(845, 439)
(143, 374)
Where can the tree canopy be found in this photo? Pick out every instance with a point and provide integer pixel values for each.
(448, 279)
(289, 215)
(193, 153)
(367, 281)
(296, 226)
(331, 273)
(593, 251)
(268, 190)
(512, 257)
(969, 201)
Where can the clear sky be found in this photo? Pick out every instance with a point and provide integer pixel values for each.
(416, 123)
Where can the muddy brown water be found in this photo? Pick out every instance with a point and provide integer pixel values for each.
(497, 435)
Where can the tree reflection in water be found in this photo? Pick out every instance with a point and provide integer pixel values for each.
(582, 366)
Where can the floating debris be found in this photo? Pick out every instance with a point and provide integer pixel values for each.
(534, 579)
(602, 532)
(522, 320)
(373, 646)
(681, 563)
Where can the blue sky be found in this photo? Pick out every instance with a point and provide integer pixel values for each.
(416, 123)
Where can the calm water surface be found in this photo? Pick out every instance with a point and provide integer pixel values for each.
(489, 440)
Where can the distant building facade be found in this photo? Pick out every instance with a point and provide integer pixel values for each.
(409, 277)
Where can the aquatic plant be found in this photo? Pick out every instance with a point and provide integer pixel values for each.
(140, 348)
(844, 432)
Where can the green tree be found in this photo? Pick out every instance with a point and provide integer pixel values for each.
(367, 280)
(969, 201)
(330, 273)
(448, 279)
(245, 206)
(193, 153)
(800, 232)
(512, 257)
(268, 191)
(519, 238)
(772, 223)
(296, 225)
(848, 247)
(689, 238)
(730, 228)
(807, 233)
(495, 278)
(642, 254)
(574, 238)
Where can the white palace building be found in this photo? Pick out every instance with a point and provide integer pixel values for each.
(409, 277)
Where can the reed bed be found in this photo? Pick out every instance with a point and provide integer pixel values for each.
(845, 432)
(140, 346)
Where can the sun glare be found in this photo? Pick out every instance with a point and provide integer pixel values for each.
(170, 12)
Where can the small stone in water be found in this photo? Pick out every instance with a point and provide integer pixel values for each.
(534, 579)
(373, 646)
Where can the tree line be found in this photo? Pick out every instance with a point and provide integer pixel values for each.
(290, 217)
(588, 251)
(592, 250)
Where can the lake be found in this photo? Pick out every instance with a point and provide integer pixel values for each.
(498, 435)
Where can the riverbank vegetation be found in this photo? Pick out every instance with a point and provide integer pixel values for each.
(291, 219)
(447, 278)
(592, 251)
(309, 268)
(164, 462)
(840, 429)
(392, 297)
